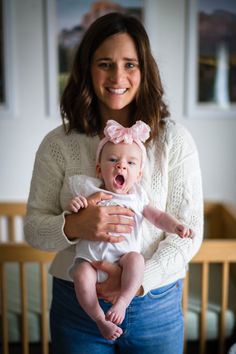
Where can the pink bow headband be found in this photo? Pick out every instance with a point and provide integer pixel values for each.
(116, 133)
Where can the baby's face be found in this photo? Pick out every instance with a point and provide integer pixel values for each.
(120, 166)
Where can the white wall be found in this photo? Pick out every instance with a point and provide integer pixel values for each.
(21, 134)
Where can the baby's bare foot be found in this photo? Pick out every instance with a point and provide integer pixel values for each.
(108, 329)
(116, 314)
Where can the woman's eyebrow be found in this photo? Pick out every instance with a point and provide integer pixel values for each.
(101, 59)
(110, 59)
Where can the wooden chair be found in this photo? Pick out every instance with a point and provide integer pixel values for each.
(9, 212)
(221, 252)
(23, 254)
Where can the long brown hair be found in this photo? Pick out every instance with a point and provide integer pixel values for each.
(79, 108)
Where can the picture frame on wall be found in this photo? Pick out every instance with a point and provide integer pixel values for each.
(8, 94)
(211, 59)
(65, 23)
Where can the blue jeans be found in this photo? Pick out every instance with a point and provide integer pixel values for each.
(153, 324)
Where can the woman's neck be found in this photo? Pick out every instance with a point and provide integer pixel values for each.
(121, 116)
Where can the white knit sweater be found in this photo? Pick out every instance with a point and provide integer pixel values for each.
(171, 178)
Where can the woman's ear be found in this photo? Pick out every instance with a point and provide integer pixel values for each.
(98, 170)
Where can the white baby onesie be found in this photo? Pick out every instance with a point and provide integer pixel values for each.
(100, 250)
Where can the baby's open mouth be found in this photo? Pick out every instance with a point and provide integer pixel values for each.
(120, 180)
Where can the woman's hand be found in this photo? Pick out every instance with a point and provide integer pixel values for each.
(96, 222)
(109, 290)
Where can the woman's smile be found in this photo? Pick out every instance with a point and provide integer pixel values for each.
(117, 91)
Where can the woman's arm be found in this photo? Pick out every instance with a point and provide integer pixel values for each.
(185, 202)
(44, 221)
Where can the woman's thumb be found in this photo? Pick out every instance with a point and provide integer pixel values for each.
(98, 197)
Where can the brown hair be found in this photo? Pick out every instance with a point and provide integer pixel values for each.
(79, 103)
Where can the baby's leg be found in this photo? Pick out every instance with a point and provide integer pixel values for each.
(132, 265)
(85, 278)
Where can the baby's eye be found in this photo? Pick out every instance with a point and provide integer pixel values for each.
(112, 159)
(132, 163)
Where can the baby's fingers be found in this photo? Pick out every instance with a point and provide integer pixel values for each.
(74, 206)
(80, 202)
(182, 231)
(83, 202)
(187, 233)
(191, 233)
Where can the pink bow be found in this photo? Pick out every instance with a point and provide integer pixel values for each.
(116, 133)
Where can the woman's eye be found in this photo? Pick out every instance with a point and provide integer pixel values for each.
(104, 65)
(131, 65)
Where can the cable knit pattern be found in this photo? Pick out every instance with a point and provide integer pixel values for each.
(171, 178)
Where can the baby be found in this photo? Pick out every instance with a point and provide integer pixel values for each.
(121, 156)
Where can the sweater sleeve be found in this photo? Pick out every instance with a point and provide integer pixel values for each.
(185, 202)
(44, 222)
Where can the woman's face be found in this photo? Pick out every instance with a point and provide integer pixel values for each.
(115, 74)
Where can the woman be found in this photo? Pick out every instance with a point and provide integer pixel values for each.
(114, 75)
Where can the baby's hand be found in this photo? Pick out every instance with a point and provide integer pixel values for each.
(183, 231)
(77, 203)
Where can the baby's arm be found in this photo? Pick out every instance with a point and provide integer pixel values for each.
(77, 203)
(166, 222)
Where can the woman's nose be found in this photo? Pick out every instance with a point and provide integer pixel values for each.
(117, 74)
